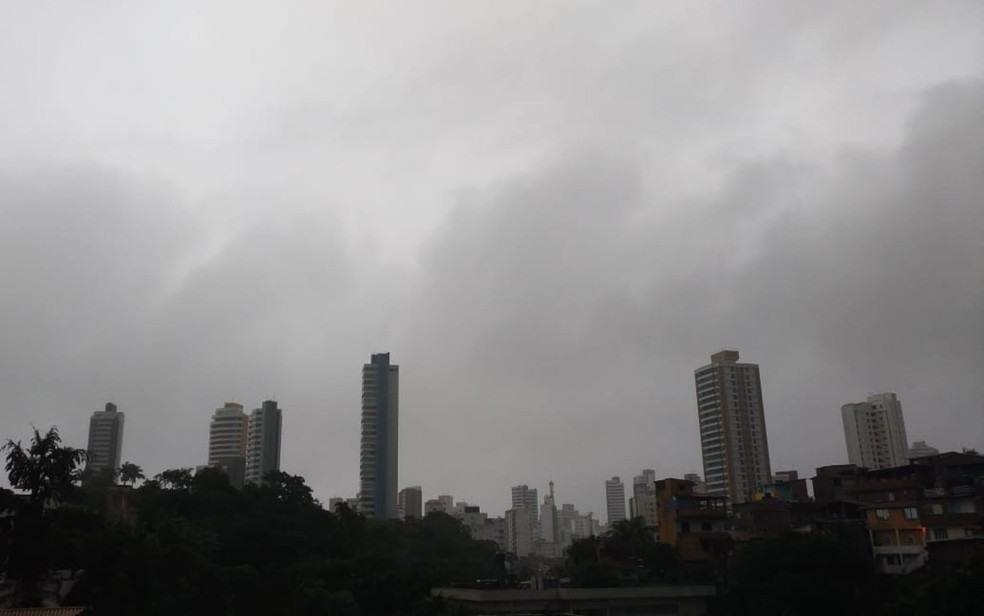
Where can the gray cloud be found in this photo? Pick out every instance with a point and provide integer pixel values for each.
(550, 218)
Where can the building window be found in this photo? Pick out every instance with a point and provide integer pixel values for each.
(940, 533)
(881, 514)
(891, 496)
(910, 513)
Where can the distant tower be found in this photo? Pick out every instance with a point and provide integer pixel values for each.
(227, 442)
(920, 449)
(378, 456)
(615, 498)
(549, 526)
(263, 445)
(524, 496)
(733, 441)
(410, 502)
(875, 432)
(105, 439)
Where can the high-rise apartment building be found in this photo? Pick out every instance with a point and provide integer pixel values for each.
(642, 504)
(646, 482)
(615, 499)
(524, 496)
(263, 441)
(734, 445)
(410, 503)
(875, 432)
(380, 422)
(227, 439)
(105, 440)
(520, 530)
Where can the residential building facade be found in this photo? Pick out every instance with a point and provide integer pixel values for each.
(615, 500)
(874, 431)
(520, 531)
(227, 439)
(105, 443)
(695, 524)
(733, 438)
(410, 502)
(378, 456)
(263, 441)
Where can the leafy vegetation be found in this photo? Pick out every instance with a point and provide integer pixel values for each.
(191, 544)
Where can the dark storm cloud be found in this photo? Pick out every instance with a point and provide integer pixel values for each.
(564, 312)
(550, 214)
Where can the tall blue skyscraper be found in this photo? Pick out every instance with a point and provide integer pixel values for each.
(380, 431)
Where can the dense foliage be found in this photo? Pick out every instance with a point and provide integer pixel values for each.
(629, 555)
(186, 543)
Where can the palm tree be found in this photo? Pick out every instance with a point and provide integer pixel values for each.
(44, 469)
(130, 473)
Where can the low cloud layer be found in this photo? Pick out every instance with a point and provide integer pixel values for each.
(548, 270)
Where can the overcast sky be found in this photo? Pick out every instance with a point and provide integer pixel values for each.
(550, 213)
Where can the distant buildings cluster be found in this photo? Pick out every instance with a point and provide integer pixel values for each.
(739, 491)
(246, 447)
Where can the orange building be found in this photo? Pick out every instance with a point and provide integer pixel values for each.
(695, 524)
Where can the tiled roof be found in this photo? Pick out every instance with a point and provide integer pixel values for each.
(41, 611)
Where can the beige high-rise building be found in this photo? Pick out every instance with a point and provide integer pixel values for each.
(875, 432)
(733, 440)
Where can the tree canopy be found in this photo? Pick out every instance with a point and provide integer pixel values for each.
(45, 469)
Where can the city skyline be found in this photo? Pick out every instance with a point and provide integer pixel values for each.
(521, 495)
(549, 218)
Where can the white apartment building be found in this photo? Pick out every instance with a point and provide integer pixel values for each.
(733, 439)
(615, 499)
(227, 438)
(874, 432)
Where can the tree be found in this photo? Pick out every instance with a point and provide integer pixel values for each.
(800, 574)
(130, 473)
(45, 469)
(175, 479)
